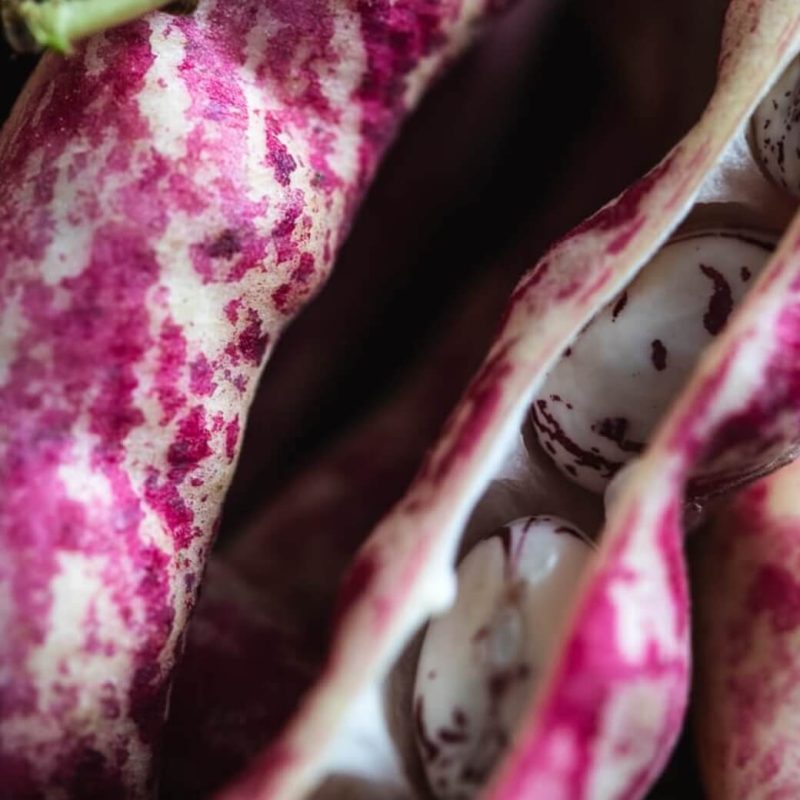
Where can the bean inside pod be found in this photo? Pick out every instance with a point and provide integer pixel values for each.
(593, 415)
(631, 614)
(481, 662)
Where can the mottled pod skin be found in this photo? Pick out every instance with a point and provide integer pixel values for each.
(612, 700)
(746, 570)
(169, 197)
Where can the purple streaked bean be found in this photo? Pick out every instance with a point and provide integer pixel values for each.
(776, 131)
(482, 659)
(601, 402)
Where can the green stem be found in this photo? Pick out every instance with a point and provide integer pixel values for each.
(58, 24)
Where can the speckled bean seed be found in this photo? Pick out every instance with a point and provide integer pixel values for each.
(481, 660)
(602, 400)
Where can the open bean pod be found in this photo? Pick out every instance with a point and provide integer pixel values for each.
(609, 703)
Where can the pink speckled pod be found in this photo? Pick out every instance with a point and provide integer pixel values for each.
(169, 198)
(747, 601)
(611, 704)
